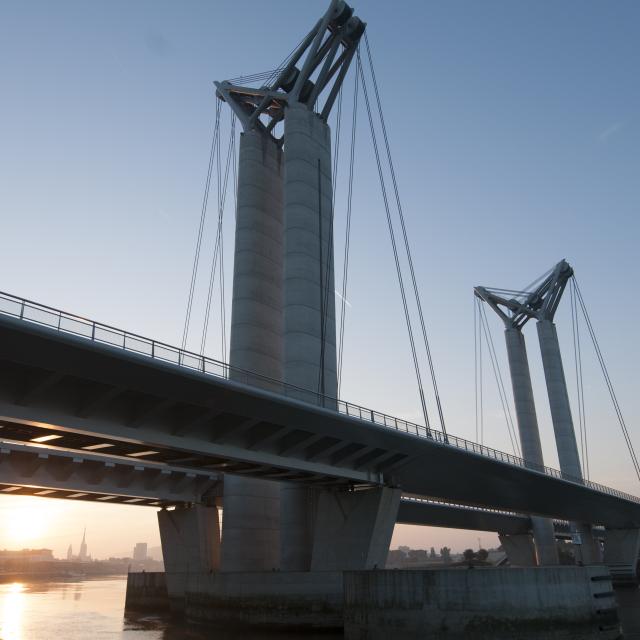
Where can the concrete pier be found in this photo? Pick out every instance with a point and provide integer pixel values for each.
(147, 591)
(563, 428)
(554, 603)
(353, 529)
(287, 600)
(251, 530)
(190, 538)
(543, 533)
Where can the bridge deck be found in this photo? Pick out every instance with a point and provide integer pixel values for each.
(96, 396)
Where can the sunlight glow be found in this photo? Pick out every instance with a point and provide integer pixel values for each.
(26, 524)
(13, 606)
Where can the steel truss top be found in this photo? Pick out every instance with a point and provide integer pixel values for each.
(539, 300)
(262, 108)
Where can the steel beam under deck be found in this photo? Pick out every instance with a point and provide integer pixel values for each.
(38, 470)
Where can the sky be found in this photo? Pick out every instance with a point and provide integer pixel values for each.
(515, 133)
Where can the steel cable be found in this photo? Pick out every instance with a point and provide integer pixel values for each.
(203, 214)
(345, 263)
(406, 239)
(393, 242)
(607, 378)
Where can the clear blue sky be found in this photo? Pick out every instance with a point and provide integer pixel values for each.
(515, 130)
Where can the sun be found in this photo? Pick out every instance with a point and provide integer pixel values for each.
(26, 523)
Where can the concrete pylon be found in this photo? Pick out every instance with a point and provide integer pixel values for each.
(250, 530)
(309, 301)
(563, 427)
(543, 532)
(301, 95)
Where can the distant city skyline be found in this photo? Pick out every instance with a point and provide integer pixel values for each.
(516, 137)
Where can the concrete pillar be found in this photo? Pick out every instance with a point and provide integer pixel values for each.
(353, 529)
(621, 553)
(250, 525)
(520, 550)
(309, 299)
(566, 443)
(190, 539)
(297, 521)
(309, 291)
(543, 532)
(251, 539)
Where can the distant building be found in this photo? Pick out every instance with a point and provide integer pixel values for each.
(27, 555)
(70, 553)
(140, 552)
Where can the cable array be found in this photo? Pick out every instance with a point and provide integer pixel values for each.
(577, 359)
(215, 142)
(607, 378)
(405, 236)
(497, 372)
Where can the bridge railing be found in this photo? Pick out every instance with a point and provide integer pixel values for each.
(33, 312)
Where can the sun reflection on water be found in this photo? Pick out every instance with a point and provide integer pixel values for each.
(13, 598)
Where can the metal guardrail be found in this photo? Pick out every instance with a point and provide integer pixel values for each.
(33, 312)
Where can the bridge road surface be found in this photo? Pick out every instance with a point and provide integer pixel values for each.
(88, 393)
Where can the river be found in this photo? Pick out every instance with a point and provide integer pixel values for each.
(94, 610)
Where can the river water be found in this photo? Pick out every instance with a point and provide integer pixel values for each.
(94, 610)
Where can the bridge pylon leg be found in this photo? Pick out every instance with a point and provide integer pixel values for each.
(543, 532)
(563, 428)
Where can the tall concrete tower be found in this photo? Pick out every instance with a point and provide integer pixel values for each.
(543, 532)
(541, 304)
(283, 315)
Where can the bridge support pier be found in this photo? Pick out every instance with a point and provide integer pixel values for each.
(543, 532)
(353, 529)
(190, 538)
(621, 553)
(337, 530)
(520, 550)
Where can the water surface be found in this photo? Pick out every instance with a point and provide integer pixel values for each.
(94, 610)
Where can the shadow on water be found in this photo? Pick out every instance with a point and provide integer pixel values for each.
(171, 629)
